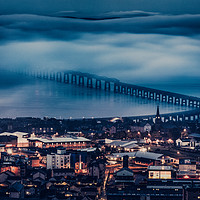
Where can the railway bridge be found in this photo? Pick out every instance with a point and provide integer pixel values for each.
(114, 85)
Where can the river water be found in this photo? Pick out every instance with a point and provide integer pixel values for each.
(25, 96)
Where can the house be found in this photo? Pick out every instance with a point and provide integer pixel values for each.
(63, 172)
(5, 175)
(124, 175)
(39, 174)
(16, 190)
(183, 142)
(142, 127)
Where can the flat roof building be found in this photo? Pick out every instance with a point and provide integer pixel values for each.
(66, 142)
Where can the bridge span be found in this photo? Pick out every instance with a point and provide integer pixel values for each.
(116, 86)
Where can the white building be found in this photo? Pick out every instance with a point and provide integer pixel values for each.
(22, 138)
(69, 142)
(160, 172)
(182, 142)
(60, 160)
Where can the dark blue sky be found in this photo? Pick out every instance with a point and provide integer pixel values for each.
(95, 6)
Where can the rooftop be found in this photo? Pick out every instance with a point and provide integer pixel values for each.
(60, 139)
(139, 154)
(160, 168)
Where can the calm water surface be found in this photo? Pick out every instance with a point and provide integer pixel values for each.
(22, 96)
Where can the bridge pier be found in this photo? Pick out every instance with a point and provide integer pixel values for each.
(142, 93)
(107, 86)
(170, 99)
(129, 91)
(164, 98)
(86, 79)
(123, 89)
(133, 91)
(177, 100)
(89, 82)
(145, 94)
(74, 79)
(52, 76)
(139, 93)
(39, 75)
(117, 88)
(81, 80)
(59, 77)
(32, 73)
(45, 75)
(183, 102)
(191, 103)
(151, 95)
(98, 84)
(66, 78)
(157, 97)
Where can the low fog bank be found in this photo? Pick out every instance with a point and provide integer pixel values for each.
(136, 47)
(133, 58)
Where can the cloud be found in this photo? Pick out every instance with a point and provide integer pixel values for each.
(146, 59)
(146, 49)
(30, 27)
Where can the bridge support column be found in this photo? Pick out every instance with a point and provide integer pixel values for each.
(157, 97)
(170, 99)
(133, 91)
(177, 101)
(129, 91)
(39, 75)
(191, 103)
(107, 86)
(145, 94)
(164, 98)
(81, 80)
(98, 84)
(74, 79)
(137, 92)
(151, 95)
(59, 77)
(117, 88)
(45, 75)
(140, 93)
(123, 89)
(52, 76)
(66, 78)
(183, 102)
(89, 83)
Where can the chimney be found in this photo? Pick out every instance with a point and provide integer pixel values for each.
(125, 161)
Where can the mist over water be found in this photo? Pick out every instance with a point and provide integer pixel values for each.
(39, 98)
(140, 43)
